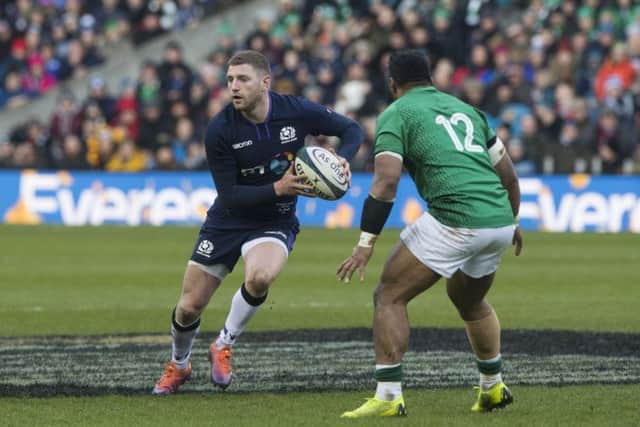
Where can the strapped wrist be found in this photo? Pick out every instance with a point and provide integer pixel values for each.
(374, 214)
(367, 240)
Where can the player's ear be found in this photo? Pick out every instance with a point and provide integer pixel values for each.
(266, 81)
(393, 87)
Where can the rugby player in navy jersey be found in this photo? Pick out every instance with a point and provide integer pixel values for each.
(250, 147)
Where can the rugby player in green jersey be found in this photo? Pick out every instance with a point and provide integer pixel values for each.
(462, 171)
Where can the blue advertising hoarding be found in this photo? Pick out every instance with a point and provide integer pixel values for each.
(558, 203)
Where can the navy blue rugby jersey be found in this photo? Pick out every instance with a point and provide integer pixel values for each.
(245, 159)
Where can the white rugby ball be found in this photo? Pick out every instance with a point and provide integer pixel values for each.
(323, 169)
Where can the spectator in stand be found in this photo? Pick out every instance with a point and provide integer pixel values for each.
(73, 65)
(66, 118)
(72, 156)
(145, 21)
(619, 65)
(99, 94)
(174, 74)
(127, 158)
(6, 35)
(149, 85)
(17, 60)
(30, 144)
(13, 94)
(523, 165)
(127, 109)
(443, 74)
(6, 154)
(165, 160)
(25, 156)
(112, 20)
(184, 138)
(609, 142)
(619, 100)
(196, 157)
(102, 143)
(153, 131)
(532, 142)
(37, 80)
(585, 128)
(479, 67)
(198, 99)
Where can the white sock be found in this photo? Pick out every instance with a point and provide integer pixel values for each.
(388, 390)
(488, 381)
(243, 307)
(183, 342)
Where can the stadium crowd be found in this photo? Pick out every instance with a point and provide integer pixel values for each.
(44, 42)
(558, 80)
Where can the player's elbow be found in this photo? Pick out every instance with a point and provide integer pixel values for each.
(358, 132)
(510, 181)
(385, 187)
(507, 173)
(351, 138)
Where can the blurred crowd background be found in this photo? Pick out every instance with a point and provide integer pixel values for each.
(558, 80)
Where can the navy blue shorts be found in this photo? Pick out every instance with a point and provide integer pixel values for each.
(217, 246)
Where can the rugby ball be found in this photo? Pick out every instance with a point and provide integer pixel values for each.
(323, 169)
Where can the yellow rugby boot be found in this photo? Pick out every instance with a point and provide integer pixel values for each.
(496, 397)
(379, 408)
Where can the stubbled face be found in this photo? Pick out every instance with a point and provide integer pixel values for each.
(247, 86)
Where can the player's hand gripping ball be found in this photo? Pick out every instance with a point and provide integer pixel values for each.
(323, 170)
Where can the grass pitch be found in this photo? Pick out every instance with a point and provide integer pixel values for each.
(534, 406)
(58, 280)
(109, 281)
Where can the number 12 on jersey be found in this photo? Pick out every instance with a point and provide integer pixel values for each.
(449, 123)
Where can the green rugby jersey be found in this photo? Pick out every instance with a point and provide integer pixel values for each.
(443, 144)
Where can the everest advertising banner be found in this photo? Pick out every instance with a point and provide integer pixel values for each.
(573, 203)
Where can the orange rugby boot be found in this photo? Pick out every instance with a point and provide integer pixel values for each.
(220, 359)
(171, 379)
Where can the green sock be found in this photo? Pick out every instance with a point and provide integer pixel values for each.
(388, 373)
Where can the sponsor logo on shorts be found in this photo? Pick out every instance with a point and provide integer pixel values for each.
(284, 207)
(278, 233)
(205, 248)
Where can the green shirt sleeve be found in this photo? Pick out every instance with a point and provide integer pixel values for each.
(389, 132)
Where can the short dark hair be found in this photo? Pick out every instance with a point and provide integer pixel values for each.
(252, 57)
(409, 66)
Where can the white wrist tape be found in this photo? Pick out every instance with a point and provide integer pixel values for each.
(496, 152)
(367, 239)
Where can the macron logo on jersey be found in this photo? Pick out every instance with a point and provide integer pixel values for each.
(242, 144)
(287, 134)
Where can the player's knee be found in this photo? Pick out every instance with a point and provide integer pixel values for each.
(384, 295)
(258, 282)
(188, 312)
(470, 311)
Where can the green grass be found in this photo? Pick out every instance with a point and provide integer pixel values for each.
(538, 406)
(109, 280)
(57, 280)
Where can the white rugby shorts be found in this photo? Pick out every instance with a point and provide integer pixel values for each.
(444, 249)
